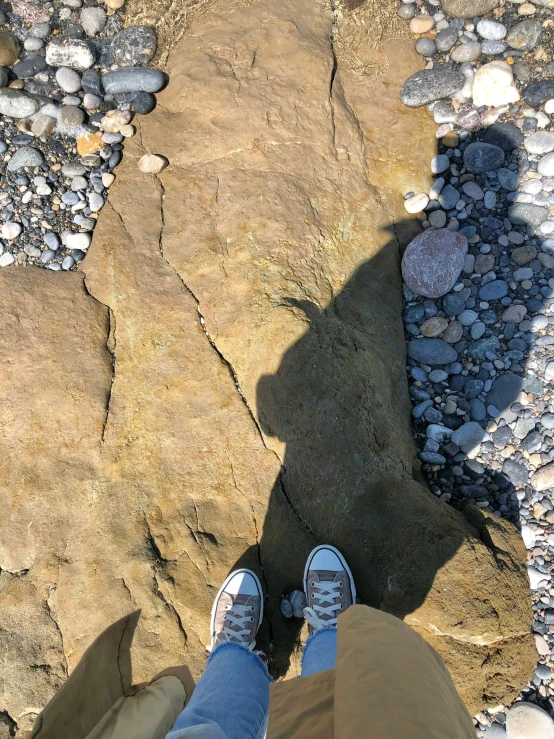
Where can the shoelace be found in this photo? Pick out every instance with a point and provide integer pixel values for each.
(329, 592)
(237, 615)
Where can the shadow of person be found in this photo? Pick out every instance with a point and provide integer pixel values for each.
(339, 401)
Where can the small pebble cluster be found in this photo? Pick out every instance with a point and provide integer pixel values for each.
(479, 280)
(72, 77)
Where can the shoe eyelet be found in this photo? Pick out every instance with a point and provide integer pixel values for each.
(252, 608)
(312, 596)
(340, 583)
(251, 619)
(313, 585)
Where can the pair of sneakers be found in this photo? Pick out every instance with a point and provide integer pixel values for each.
(238, 607)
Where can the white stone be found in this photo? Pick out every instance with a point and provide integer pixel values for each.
(494, 85)
(154, 164)
(543, 649)
(491, 30)
(546, 165)
(536, 577)
(78, 241)
(549, 372)
(416, 203)
(540, 142)
(11, 230)
(6, 259)
(528, 535)
(549, 106)
(527, 721)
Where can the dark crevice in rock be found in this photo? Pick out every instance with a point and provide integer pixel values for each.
(50, 614)
(8, 721)
(170, 608)
(110, 347)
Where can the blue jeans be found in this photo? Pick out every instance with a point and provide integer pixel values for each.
(231, 699)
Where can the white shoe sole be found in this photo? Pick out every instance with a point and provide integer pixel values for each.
(221, 590)
(343, 562)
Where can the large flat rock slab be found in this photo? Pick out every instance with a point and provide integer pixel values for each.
(223, 381)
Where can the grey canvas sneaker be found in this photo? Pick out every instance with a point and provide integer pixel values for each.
(329, 587)
(237, 610)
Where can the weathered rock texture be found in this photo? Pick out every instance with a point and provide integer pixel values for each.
(224, 380)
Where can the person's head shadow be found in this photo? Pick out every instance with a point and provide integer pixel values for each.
(339, 402)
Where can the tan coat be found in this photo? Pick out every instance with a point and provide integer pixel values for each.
(388, 683)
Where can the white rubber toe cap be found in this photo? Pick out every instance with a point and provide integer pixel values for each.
(243, 582)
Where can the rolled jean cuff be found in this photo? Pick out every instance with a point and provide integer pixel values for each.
(256, 659)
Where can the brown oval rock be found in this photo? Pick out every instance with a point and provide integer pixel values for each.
(467, 8)
(453, 332)
(433, 326)
(543, 479)
(433, 261)
(9, 49)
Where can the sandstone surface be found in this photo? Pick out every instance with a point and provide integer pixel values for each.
(223, 382)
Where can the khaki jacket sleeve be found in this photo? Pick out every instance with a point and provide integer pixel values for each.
(387, 682)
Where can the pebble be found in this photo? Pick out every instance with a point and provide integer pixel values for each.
(494, 86)
(93, 20)
(491, 30)
(428, 85)
(70, 52)
(9, 49)
(431, 351)
(17, 104)
(136, 46)
(153, 163)
(480, 157)
(525, 35)
(432, 262)
(26, 156)
(68, 79)
(528, 721)
(133, 79)
(466, 53)
(415, 204)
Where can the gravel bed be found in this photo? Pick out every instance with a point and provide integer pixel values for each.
(479, 281)
(72, 78)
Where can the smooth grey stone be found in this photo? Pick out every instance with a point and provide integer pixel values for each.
(492, 48)
(543, 672)
(432, 458)
(3, 77)
(17, 104)
(532, 385)
(515, 472)
(525, 35)
(469, 435)
(406, 11)
(73, 169)
(480, 157)
(51, 240)
(508, 180)
(30, 67)
(41, 30)
(547, 420)
(425, 46)
(472, 388)
(452, 305)
(538, 93)
(448, 197)
(68, 79)
(47, 256)
(477, 410)
(504, 391)
(27, 156)
(443, 112)
(71, 116)
(493, 290)
(91, 82)
(431, 351)
(429, 85)
(527, 214)
(446, 38)
(505, 135)
(133, 79)
(70, 198)
(478, 349)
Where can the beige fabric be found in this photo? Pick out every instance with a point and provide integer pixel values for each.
(98, 701)
(149, 714)
(388, 682)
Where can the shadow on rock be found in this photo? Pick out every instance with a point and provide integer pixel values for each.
(339, 401)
